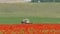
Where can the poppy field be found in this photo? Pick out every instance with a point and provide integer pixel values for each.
(29, 28)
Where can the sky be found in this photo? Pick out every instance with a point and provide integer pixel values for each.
(27, 0)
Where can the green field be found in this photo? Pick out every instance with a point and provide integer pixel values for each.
(13, 13)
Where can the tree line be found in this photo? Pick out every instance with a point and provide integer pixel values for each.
(45, 0)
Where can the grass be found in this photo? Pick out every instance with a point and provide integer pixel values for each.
(13, 13)
(17, 20)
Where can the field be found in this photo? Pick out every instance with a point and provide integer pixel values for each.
(30, 29)
(13, 13)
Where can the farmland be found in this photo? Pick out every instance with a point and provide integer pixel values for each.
(13, 13)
